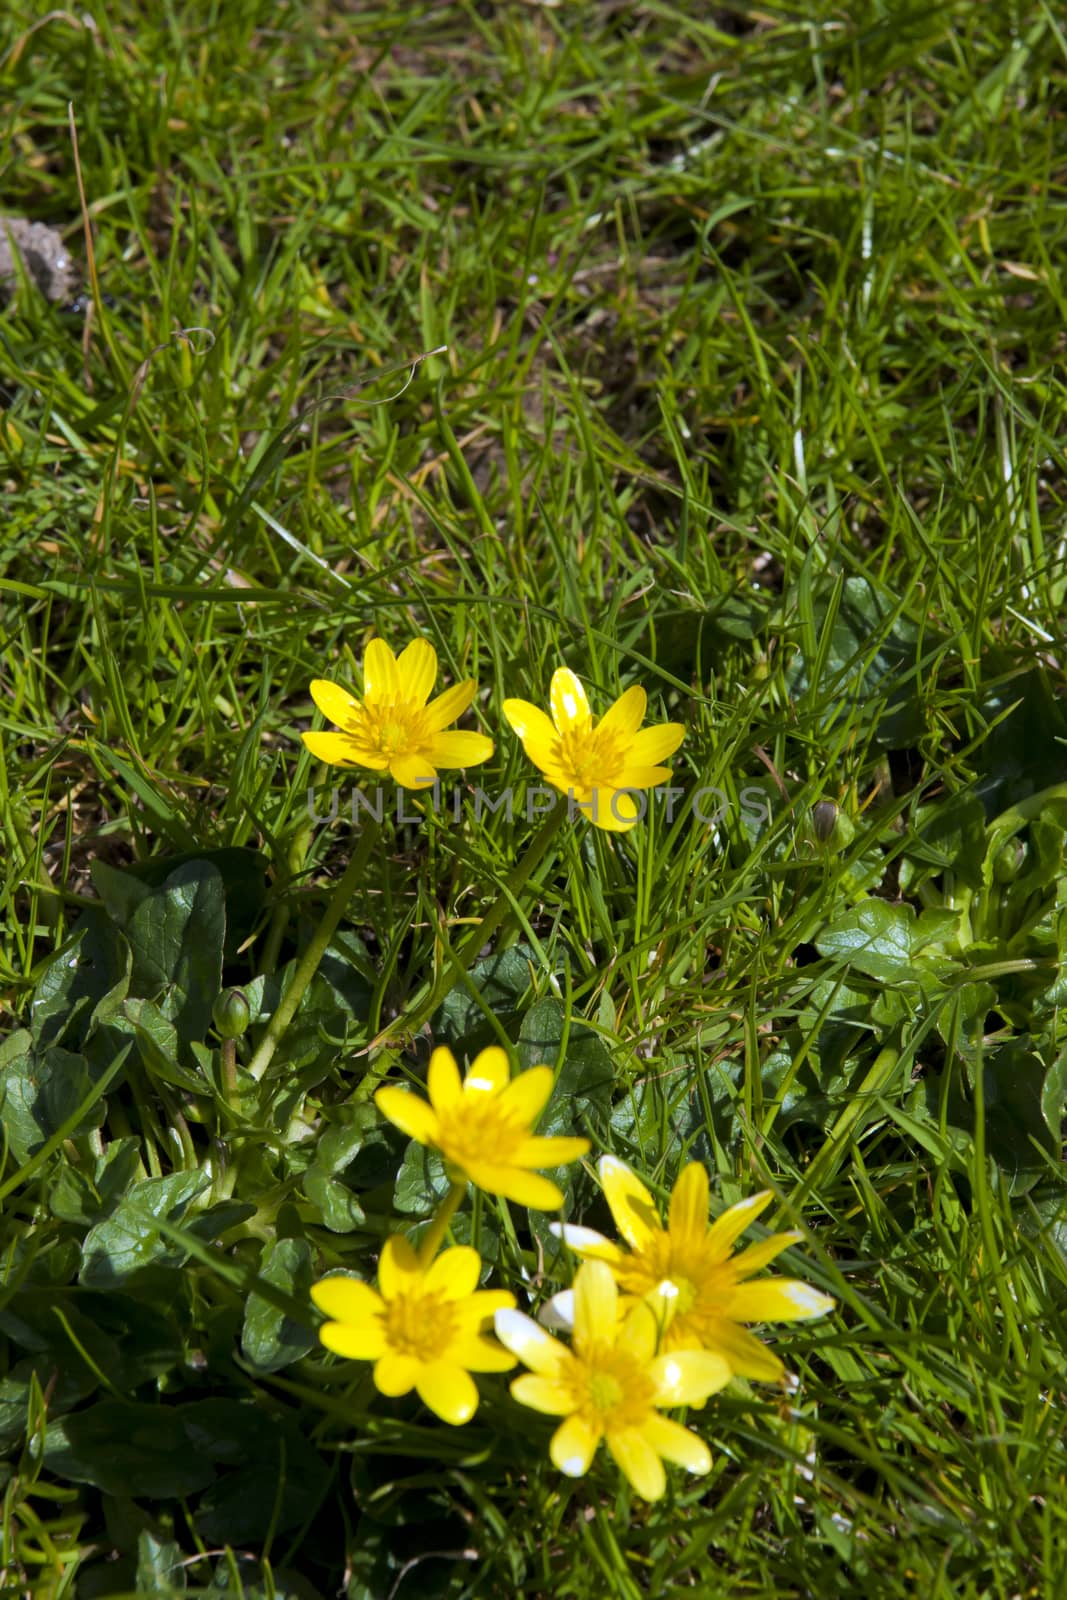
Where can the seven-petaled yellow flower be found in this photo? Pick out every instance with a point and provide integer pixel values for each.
(393, 729)
(483, 1126)
(612, 1383)
(422, 1327)
(686, 1270)
(595, 764)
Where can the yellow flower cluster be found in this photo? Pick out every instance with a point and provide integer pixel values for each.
(396, 728)
(656, 1321)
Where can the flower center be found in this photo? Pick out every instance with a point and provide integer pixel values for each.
(471, 1131)
(691, 1288)
(590, 756)
(389, 728)
(610, 1388)
(419, 1325)
(679, 1293)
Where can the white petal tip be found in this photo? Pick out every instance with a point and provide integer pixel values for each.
(573, 1467)
(558, 1313)
(810, 1301)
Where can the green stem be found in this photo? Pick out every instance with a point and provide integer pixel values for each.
(228, 1053)
(465, 953)
(294, 861)
(431, 1240)
(314, 953)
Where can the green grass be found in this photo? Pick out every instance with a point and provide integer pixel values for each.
(753, 395)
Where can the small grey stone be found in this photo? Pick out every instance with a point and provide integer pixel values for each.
(44, 256)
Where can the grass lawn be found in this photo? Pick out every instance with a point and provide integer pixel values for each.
(714, 351)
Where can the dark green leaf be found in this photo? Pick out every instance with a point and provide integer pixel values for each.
(501, 981)
(40, 1090)
(270, 1339)
(126, 1241)
(93, 964)
(160, 1566)
(176, 933)
(421, 1181)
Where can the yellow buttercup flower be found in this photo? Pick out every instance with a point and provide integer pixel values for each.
(392, 728)
(422, 1327)
(596, 763)
(686, 1270)
(484, 1126)
(612, 1384)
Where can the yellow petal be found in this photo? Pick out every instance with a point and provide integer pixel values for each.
(631, 1204)
(408, 1113)
(686, 1377)
(442, 1080)
(534, 1347)
(675, 1443)
(760, 1255)
(539, 737)
(778, 1300)
(747, 1357)
(380, 679)
(341, 750)
(526, 1096)
(449, 1392)
(637, 777)
(570, 708)
(733, 1222)
(479, 1310)
(416, 670)
(596, 1302)
(365, 1342)
(454, 1274)
(480, 1355)
(460, 749)
(395, 1374)
(627, 714)
(573, 1445)
(543, 1394)
(551, 1152)
(346, 1299)
(639, 1333)
(450, 705)
(515, 1183)
(653, 745)
(613, 810)
(638, 1461)
(335, 703)
(688, 1219)
(398, 1268)
(412, 771)
(489, 1072)
(587, 1242)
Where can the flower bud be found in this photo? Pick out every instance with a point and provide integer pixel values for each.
(231, 1014)
(1007, 863)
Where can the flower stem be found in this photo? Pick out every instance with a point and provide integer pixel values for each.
(431, 1239)
(465, 952)
(314, 953)
(228, 1053)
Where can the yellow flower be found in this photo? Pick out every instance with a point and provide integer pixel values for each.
(393, 729)
(596, 763)
(422, 1327)
(686, 1270)
(483, 1126)
(612, 1384)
